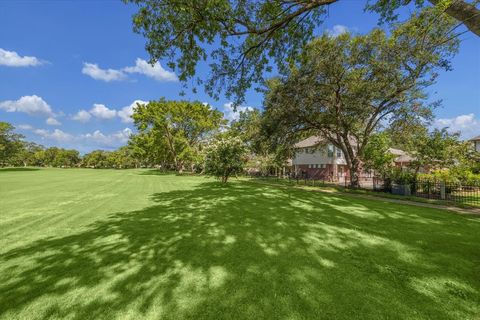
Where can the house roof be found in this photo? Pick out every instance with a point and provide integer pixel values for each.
(477, 138)
(400, 155)
(396, 152)
(404, 158)
(309, 142)
(313, 141)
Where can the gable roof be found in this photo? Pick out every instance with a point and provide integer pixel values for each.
(313, 141)
(309, 142)
(404, 158)
(396, 152)
(477, 138)
(400, 155)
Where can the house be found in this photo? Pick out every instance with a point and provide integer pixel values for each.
(402, 159)
(476, 143)
(316, 158)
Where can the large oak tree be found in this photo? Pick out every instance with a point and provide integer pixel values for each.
(178, 127)
(242, 40)
(345, 88)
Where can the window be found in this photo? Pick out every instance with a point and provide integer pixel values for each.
(309, 166)
(330, 151)
(316, 166)
(322, 166)
(339, 153)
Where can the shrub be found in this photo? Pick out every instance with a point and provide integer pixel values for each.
(224, 157)
(399, 176)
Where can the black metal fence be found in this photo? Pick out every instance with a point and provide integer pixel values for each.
(464, 193)
(458, 192)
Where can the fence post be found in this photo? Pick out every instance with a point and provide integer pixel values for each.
(442, 190)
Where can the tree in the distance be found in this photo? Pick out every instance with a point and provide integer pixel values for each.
(178, 127)
(10, 143)
(377, 155)
(439, 149)
(26, 155)
(225, 156)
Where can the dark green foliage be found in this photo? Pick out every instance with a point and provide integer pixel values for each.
(10, 143)
(175, 130)
(376, 155)
(439, 149)
(225, 156)
(244, 40)
(346, 88)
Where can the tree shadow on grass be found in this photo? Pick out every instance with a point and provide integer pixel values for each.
(249, 252)
(19, 169)
(159, 172)
(156, 172)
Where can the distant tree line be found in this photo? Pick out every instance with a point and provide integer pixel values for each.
(15, 151)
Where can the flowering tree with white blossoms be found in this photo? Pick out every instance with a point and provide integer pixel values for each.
(224, 157)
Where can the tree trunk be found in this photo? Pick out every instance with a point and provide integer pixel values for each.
(354, 169)
(464, 12)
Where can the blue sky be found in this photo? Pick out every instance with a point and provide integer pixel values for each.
(69, 70)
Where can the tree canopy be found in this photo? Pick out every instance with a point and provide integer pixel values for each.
(251, 37)
(177, 127)
(377, 155)
(225, 156)
(10, 142)
(345, 88)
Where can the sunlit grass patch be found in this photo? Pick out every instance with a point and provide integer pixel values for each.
(113, 244)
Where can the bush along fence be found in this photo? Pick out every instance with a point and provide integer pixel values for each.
(457, 192)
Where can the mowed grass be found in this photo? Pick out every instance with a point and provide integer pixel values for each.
(134, 244)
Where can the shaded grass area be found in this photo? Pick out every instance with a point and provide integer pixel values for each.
(188, 248)
(462, 202)
(19, 169)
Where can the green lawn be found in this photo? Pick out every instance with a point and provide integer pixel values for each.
(133, 244)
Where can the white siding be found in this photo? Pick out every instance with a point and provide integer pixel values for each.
(319, 156)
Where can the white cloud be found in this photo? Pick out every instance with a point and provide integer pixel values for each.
(55, 135)
(52, 122)
(97, 73)
(25, 127)
(467, 124)
(156, 71)
(102, 112)
(82, 116)
(337, 30)
(13, 59)
(141, 66)
(126, 112)
(84, 142)
(110, 140)
(32, 105)
(229, 112)
(59, 135)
